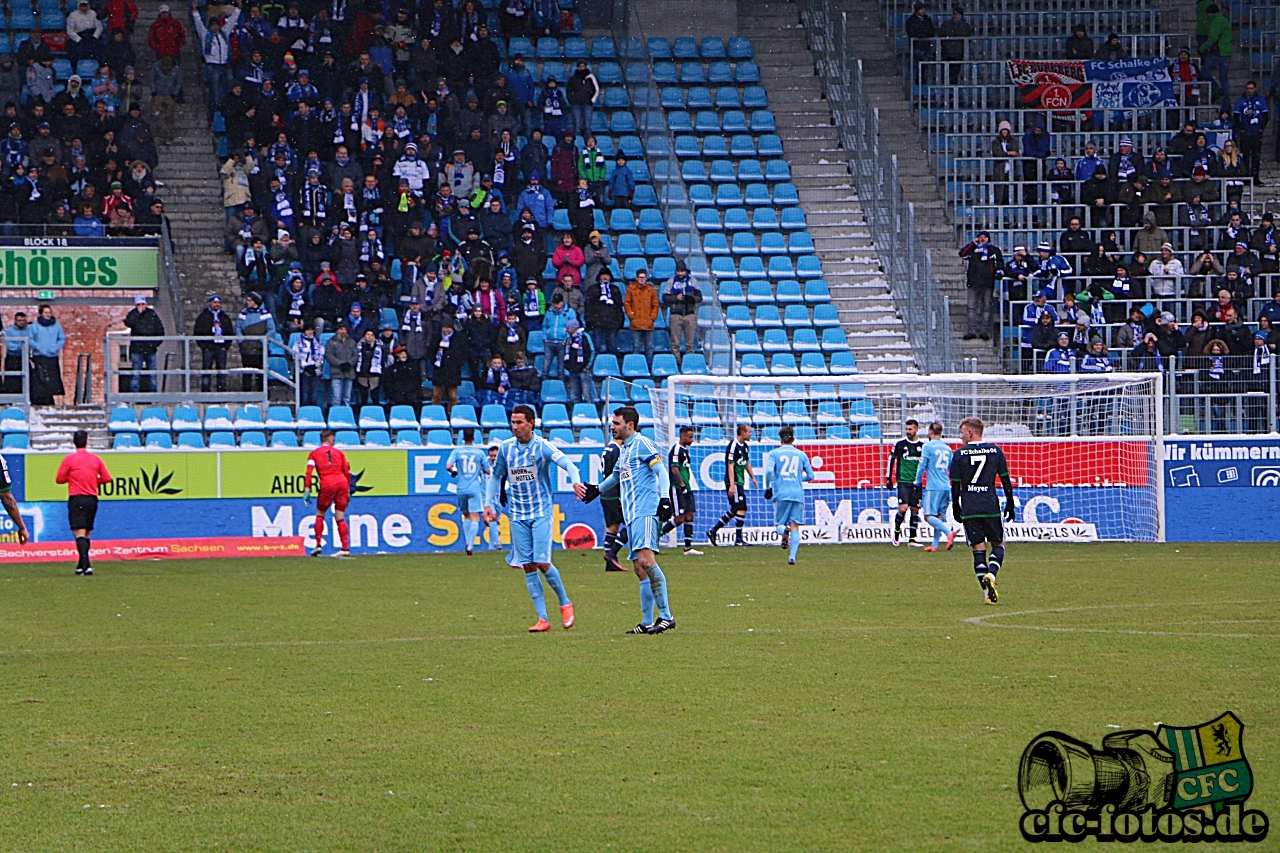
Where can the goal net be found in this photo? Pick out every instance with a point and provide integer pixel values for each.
(1085, 451)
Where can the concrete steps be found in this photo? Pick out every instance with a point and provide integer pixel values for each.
(52, 428)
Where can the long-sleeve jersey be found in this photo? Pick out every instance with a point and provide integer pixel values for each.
(641, 476)
(330, 465)
(82, 472)
(906, 457)
(472, 465)
(786, 472)
(608, 461)
(934, 470)
(527, 469)
(680, 468)
(974, 469)
(737, 458)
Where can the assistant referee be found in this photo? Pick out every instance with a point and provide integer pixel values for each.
(82, 472)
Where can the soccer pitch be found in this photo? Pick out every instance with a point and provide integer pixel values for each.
(397, 703)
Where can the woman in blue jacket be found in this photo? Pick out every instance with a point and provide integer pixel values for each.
(46, 339)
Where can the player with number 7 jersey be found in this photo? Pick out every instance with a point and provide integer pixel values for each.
(974, 502)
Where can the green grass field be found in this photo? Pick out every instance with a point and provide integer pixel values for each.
(397, 704)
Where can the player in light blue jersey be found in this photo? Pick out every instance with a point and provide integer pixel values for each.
(469, 465)
(642, 479)
(525, 461)
(934, 473)
(785, 473)
(495, 529)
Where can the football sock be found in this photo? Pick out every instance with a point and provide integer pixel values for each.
(658, 584)
(610, 544)
(997, 558)
(534, 583)
(980, 564)
(795, 543)
(319, 531)
(688, 535)
(668, 526)
(646, 603)
(737, 534)
(723, 522)
(911, 528)
(344, 535)
(468, 533)
(897, 521)
(552, 575)
(495, 536)
(940, 528)
(82, 548)
(622, 536)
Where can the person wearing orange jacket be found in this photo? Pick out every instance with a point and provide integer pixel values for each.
(641, 305)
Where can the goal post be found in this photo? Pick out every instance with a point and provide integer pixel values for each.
(1085, 451)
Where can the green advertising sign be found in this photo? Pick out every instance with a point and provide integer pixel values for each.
(78, 266)
(174, 475)
(274, 474)
(135, 476)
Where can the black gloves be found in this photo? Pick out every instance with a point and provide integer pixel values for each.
(664, 510)
(453, 473)
(1009, 510)
(593, 492)
(768, 494)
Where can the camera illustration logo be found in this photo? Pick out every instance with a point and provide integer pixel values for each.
(1173, 784)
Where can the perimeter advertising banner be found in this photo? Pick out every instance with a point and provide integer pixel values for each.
(78, 262)
(405, 500)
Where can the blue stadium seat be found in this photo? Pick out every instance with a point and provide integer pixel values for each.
(664, 74)
(193, 440)
(780, 267)
(788, 291)
(735, 121)
(722, 171)
(747, 72)
(377, 438)
(808, 266)
(796, 317)
(825, 315)
(795, 413)
(217, 418)
(767, 317)
(664, 364)
(723, 267)
(434, 417)
(656, 245)
(746, 340)
(770, 146)
(159, 440)
(738, 317)
(408, 438)
(744, 243)
(694, 364)
(742, 145)
(603, 48)
(346, 438)
(340, 417)
(440, 437)
(833, 340)
(309, 417)
(659, 48)
(749, 170)
(706, 121)
(253, 438)
(752, 364)
(751, 267)
(728, 195)
(521, 45)
(621, 219)
(373, 417)
(629, 245)
(805, 340)
(493, 416)
(548, 48)
(705, 414)
(280, 417)
(685, 48)
(687, 146)
(585, 415)
(785, 195)
(614, 390)
(562, 436)
(719, 73)
(776, 340)
(740, 48)
(730, 293)
(672, 98)
(713, 48)
(727, 98)
(575, 48)
(621, 122)
(772, 244)
(698, 97)
(591, 435)
(816, 291)
(765, 413)
(311, 439)
(757, 195)
(759, 292)
(605, 365)
(154, 419)
(812, 364)
(129, 440)
(555, 415)
(534, 345)
(800, 243)
(633, 365)
(123, 419)
(762, 121)
(282, 438)
(402, 417)
(222, 438)
(615, 98)
(842, 363)
(754, 98)
(783, 364)
(463, 417)
(678, 121)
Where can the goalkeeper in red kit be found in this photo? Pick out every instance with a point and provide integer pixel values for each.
(329, 465)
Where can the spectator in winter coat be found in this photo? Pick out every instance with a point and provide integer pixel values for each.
(1111, 50)
(512, 338)
(622, 184)
(496, 225)
(340, 354)
(564, 170)
(308, 357)
(571, 292)
(603, 312)
(538, 201)
(534, 158)
(529, 255)
(553, 106)
(402, 382)
(166, 35)
(1036, 145)
(984, 263)
(554, 332)
(450, 356)
(568, 258)
(217, 329)
(533, 306)
(583, 90)
(596, 257)
(577, 355)
(1079, 45)
(143, 322)
(641, 305)
(682, 298)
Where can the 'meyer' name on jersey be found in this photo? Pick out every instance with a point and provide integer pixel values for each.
(974, 469)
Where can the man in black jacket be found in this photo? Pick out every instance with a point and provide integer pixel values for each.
(603, 313)
(213, 323)
(985, 262)
(682, 297)
(143, 322)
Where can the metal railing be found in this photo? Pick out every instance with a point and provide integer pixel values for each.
(678, 210)
(1006, 45)
(84, 380)
(906, 262)
(169, 287)
(181, 377)
(1059, 24)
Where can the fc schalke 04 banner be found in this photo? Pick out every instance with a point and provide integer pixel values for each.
(1142, 84)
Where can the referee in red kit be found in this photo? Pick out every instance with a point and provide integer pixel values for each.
(82, 472)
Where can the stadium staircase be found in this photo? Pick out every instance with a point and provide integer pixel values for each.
(192, 190)
(51, 429)
(858, 290)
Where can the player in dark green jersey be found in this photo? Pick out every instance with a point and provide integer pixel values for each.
(974, 502)
(681, 465)
(737, 472)
(906, 460)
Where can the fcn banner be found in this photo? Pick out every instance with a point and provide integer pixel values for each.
(1142, 84)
